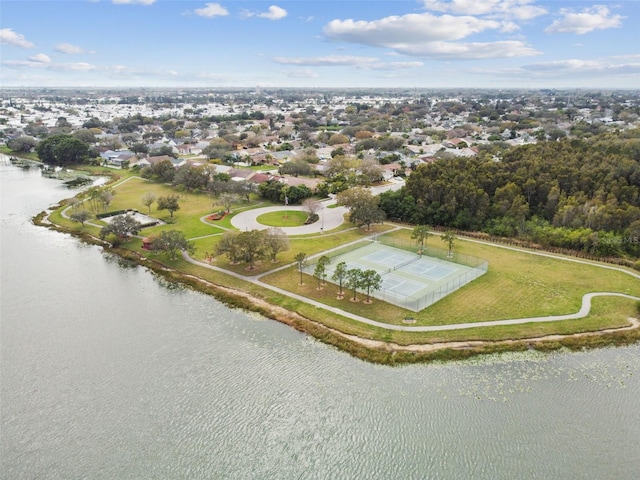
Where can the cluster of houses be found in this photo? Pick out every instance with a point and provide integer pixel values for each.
(260, 137)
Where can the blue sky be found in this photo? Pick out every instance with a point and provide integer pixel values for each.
(329, 43)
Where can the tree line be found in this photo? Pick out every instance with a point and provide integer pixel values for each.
(575, 193)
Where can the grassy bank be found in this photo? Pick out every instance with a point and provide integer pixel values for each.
(518, 284)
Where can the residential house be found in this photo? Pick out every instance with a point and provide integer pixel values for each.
(117, 158)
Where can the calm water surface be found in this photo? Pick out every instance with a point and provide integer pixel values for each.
(109, 372)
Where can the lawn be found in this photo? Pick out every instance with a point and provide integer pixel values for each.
(309, 244)
(283, 218)
(517, 285)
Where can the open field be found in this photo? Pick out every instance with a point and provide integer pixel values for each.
(517, 284)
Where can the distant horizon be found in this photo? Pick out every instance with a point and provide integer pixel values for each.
(284, 87)
(426, 44)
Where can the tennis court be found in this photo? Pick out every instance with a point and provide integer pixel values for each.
(409, 280)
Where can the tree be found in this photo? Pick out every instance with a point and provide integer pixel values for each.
(370, 171)
(85, 135)
(106, 197)
(228, 199)
(296, 167)
(355, 197)
(297, 193)
(80, 216)
(301, 261)
(312, 206)
(121, 226)
(148, 199)
(62, 150)
(139, 148)
(342, 165)
(192, 178)
(252, 246)
(320, 271)
(371, 281)
(449, 237)
(337, 139)
(276, 241)
(169, 202)
(171, 242)
(354, 281)
(229, 246)
(367, 214)
(163, 150)
(218, 148)
(340, 275)
(362, 205)
(272, 190)
(421, 234)
(22, 144)
(162, 171)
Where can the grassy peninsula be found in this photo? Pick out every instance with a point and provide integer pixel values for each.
(520, 283)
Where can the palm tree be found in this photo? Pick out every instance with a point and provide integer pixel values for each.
(371, 281)
(354, 281)
(449, 237)
(301, 260)
(421, 234)
(339, 275)
(321, 270)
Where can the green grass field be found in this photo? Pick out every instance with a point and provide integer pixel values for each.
(517, 284)
(285, 218)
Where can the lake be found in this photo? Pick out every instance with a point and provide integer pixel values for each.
(108, 371)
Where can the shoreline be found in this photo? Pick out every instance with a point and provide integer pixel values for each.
(371, 350)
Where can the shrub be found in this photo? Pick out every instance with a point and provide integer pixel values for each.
(313, 218)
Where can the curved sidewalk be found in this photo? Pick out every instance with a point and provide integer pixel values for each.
(330, 218)
(583, 312)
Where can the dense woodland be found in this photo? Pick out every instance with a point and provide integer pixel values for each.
(575, 193)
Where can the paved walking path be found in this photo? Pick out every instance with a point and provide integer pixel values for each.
(330, 218)
(583, 312)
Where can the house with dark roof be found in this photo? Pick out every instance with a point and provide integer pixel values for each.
(117, 158)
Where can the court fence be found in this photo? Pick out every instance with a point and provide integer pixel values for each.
(417, 303)
(430, 251)
(476, 268)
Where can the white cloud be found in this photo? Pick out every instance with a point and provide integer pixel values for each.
(597, 17)
(469, 51)
(39, 62)
(9, 37)
(364, 63)
(428, 35)
(616, 70)
(306, 73)
(516, 9)
(396, 65)
(411, 28)
(274, 13)
(326, 61)
(212, 10)
(571, 67)
(40, 58)
(131, 2)
(70, 49)
(213, 77)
